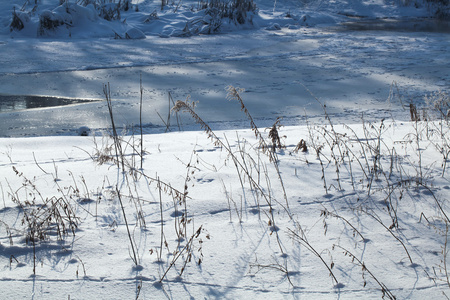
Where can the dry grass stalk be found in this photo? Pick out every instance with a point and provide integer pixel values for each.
(188, 107)
(384, 290)
(274, 136)
(299, 236)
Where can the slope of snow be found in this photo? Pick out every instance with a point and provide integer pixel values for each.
(238, 250)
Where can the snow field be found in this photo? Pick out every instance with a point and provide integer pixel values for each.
(396, 227)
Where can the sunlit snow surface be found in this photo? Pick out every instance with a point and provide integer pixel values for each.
(288, 67)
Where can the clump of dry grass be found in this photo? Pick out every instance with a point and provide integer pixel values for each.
(301, 146)
(43, 216)
(274, 136)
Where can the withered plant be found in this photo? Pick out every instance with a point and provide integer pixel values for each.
(384, 289)
(43, 216)
(234, 94)
(249, 169)
(188, 107)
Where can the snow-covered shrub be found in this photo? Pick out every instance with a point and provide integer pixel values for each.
(124, 5)
(440, 2)
(49, 21)
(439, 8)
(134, 34)
(109, 10)
(131, 34)
(87, 2)
(212, 15)
(443, 11)
(208, 24)
(212, 21)
(73, 14)
(18, 20)
(152, 17)
(66, 14)
(274, 26)
(237, 11)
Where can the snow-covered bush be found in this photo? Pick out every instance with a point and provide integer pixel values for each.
(212, 16)
(215, 16)
(74, 14)
(124, 5)
(443, 11)
(87, 2)
(19, 20)
(49, 21)
(134, 34)
(109, 10)
(66, 14)
(237, 11)
(274, 26)
(152, 17)
(213, 20)
(241, 11)
(440, 9)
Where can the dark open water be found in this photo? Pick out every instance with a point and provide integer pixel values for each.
(10, 103)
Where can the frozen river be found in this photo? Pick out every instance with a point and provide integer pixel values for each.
(352, 72)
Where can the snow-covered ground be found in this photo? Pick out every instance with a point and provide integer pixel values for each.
(230, 220)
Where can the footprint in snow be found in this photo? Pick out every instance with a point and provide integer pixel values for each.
(205, 180)
(177, 213)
